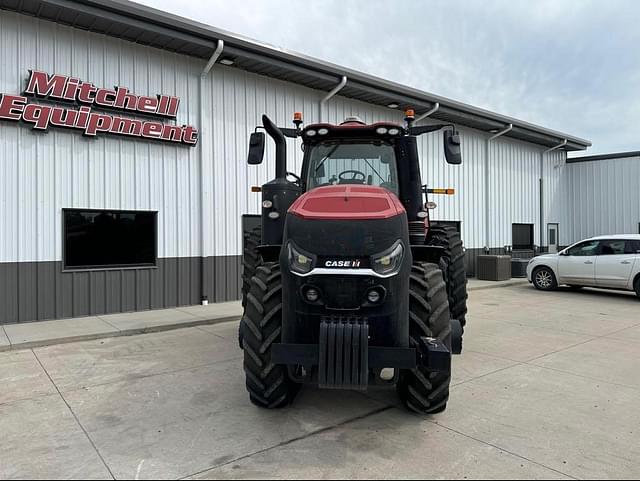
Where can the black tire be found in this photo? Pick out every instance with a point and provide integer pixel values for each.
(636, 286)
(422, 391)
(251, 259)
(544, 279)
(453, 268)
(575, 288)
(268, 384)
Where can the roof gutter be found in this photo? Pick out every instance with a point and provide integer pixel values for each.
(433, 110)
(204, 191)
(561, 144)
(501, 133)
(330, 95)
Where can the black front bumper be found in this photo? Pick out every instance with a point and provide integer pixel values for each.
(343, 358)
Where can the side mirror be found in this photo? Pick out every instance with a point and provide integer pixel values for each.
(256, 148)
(452, 147)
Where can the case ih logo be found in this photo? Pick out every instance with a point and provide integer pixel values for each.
(59, 87)
(352, 264)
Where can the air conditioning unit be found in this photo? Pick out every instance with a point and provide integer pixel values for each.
(494, 268)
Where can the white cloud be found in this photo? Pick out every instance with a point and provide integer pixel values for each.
(570, 65)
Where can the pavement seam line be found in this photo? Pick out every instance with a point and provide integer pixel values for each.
(563, 349)
(148, 376)
(547, 329)
(199, 328)
(517, 364)
(582, 376)
(293, 440)
(619, 331)
(519, 456)
(107, 322)
(75, 417)
(528, 362)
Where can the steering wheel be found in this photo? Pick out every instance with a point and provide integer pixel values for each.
(295, 176)
(357, 177)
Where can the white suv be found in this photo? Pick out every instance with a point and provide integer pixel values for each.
(607, 261)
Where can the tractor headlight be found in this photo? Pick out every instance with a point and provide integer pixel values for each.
(300, 262)
(389, 262)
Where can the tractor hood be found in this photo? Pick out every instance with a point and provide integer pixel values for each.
(347, 202)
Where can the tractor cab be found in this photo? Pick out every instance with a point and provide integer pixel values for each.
(351, 153)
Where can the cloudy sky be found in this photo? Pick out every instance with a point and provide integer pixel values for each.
(570, 65)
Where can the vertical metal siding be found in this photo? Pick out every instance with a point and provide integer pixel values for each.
(42, 173)
(605, 197)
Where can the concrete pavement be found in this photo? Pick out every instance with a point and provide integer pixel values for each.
(547, 388)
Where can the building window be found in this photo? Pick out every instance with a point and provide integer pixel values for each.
(522, 236)
(95, 239)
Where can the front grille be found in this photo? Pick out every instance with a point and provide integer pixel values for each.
(345, 292)
(343, 319)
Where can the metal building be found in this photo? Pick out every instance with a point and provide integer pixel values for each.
(182, 204)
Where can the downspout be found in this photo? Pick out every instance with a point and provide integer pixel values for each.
(330, 95)
(542, 229)
(204, 288)
(487, 223)
(435, 108)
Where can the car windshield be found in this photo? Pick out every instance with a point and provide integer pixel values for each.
(364, 163)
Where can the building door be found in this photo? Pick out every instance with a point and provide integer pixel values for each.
(552, 238)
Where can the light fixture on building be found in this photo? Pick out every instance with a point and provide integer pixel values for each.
(227, 61)
(393, 105)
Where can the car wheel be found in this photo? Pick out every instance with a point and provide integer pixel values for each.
(544, 279)
(636, 287)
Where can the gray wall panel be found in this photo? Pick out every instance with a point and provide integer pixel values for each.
(156, 289)
(143, 298)
(81, 294)
(97, 289)
(64, 293)
(9, 280)
(28, 292)
(185, 284)
(170, 282)
(38, 291)
(128, 288)
(46, 288)
(113, 295)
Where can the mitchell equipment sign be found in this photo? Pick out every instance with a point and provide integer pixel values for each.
(69, 89)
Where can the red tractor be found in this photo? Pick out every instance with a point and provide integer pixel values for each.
(346, 283)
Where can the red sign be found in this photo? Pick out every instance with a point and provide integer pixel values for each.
(69, 89)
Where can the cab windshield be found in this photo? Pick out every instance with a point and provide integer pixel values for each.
(360, 163)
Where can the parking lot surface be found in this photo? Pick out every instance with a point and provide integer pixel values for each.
(547, 387)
